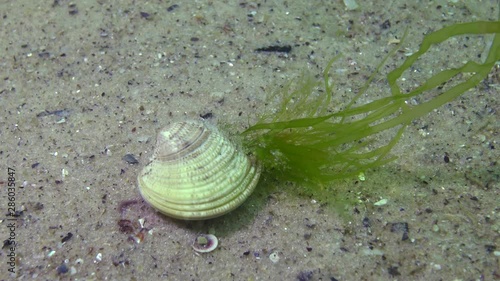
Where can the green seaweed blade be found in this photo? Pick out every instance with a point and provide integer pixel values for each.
(304, 143)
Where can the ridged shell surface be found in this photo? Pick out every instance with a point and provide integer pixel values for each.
(196, 173)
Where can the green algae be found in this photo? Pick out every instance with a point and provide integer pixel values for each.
(304, 143)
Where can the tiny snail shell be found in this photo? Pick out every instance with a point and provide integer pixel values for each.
(205, 243)
(197, 173)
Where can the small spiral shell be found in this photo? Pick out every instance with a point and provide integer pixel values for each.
(197, 173)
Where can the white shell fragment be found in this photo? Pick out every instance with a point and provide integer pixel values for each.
(274, 257)
(205, 243)
(196, 173)
(380, 202)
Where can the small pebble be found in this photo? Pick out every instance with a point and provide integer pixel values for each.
(130, 158)
(62, 269)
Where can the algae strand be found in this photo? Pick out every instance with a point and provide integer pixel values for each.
(301, 142)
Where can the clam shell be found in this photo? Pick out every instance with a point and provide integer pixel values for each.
(196, 173)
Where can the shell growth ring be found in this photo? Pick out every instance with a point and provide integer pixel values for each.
(197, 173)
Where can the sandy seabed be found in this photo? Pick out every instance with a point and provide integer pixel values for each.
(85, 83)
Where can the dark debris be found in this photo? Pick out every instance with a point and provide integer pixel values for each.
(446, 158)
(145, 15)
(276, 49)
(126, 226)
(386, 24)
(130, 158)
(490, 248)
(305, 275)
(393, 271)
(207, 115)
(173, 7)
(120, 260)
(62, 269)
(67, 237)
(38, 206)
(16, 214)
(366, 222)
(401, 227)
(59, 113)
(44, 55)
(73, 10)
(7, 243)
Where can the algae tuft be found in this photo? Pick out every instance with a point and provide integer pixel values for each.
(304, 143)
